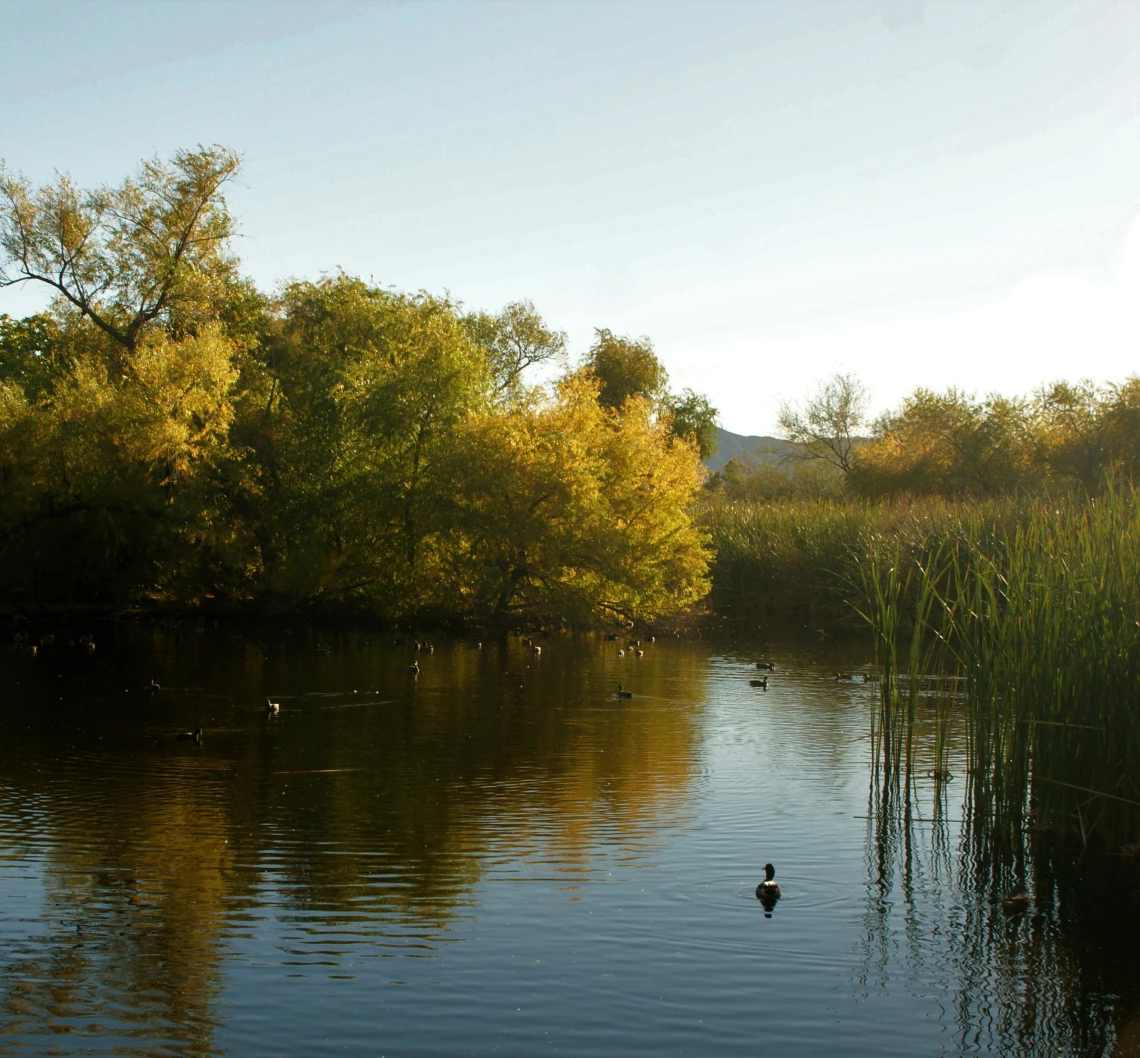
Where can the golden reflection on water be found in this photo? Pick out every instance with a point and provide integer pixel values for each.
(372, 816)
(373, 805)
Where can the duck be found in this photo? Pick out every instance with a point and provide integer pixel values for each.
(870, 677)
(154, 687)
(272, 708)
(843, 675)
(397, 642)
(1015, 903)
(621, 653)
(323, 648)
(611, 639)
(624, 694)
(536, 650)
(770, 666)
(768, 891)
(759, 683)
(635, 643)
(190, 736)
(414, 668)
(639, 653)
(651, 639)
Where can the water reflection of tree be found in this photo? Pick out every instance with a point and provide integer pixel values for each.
(375, 819)
(1058, 979)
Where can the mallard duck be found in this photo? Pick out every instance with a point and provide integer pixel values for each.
(536, 650)
(1015, 903)
(154, 687)
(639, 653)
(272, 708)
(414, 668)
(763, 684)
(768, 890)
(611, 639)
(843, 675)
(621, 653)
(190, 736)
(624, 694)
(766, 665)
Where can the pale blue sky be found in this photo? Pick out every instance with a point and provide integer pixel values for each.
(924, 194)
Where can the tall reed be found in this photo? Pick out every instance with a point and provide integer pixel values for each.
(1037, 620)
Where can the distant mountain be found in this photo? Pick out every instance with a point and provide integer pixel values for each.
(746, 449)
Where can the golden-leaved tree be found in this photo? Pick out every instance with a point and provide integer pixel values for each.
(568, 507)
(170, 436)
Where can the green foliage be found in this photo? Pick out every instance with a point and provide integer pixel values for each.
(31, 354)
(693, 416)
(771, 481)
(152, 250)
(625, 367)
(512, 341)
(169, 435)
(1034, 623)
(951, 444)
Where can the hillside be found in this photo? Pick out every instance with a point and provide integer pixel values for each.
(748, 449)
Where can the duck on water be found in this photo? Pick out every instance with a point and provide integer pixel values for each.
(768, 891)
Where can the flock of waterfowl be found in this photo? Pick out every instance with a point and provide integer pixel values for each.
(768, 891)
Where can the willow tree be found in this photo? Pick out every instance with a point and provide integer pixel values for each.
(372, 387)
(568, 508)
(119, 400)
(153, 250)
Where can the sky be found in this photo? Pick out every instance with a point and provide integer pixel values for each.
(921, 194)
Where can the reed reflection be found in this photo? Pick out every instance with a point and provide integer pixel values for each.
(1054, 978)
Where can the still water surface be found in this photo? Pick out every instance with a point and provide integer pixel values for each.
(500, 857)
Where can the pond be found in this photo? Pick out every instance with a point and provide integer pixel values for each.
(500, 856)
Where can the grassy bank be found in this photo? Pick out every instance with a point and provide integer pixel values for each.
(803, 558)
(1019, 622)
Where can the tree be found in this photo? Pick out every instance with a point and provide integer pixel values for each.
(827, 426)
(567, 508)
(151, 251)
(948, 444)
(32, 353)
(372, 388)
(693, 416)
(513, 340)
(625, 367)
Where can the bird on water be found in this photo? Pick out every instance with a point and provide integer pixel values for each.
(191, 736)
(624, 694)
(759, 683)
(768, 891)
(272, 708)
